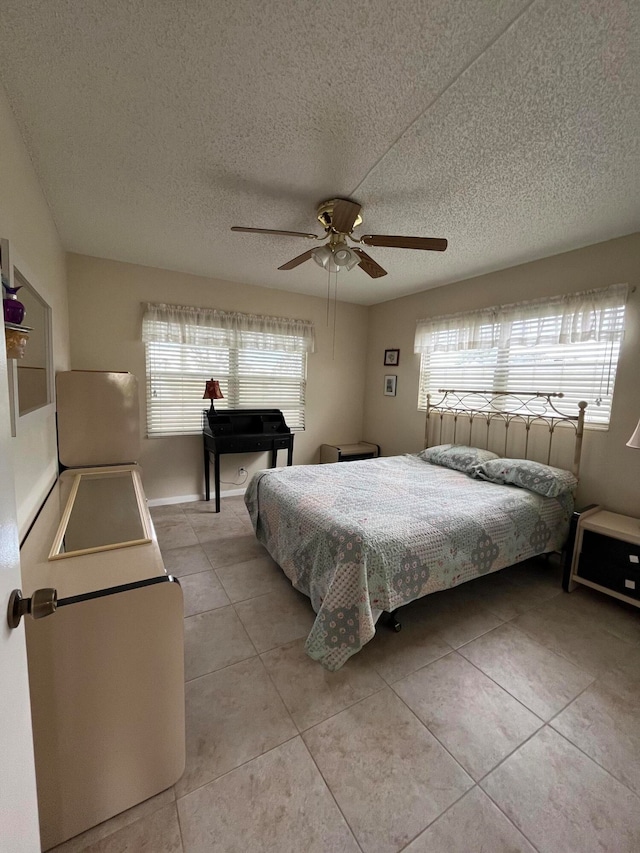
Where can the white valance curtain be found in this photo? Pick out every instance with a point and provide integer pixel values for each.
(206, 327)
(593, 315)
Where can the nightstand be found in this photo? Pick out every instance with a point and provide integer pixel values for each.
(606, 555)
(349, 452)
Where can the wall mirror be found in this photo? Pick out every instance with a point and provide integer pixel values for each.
(33, 370)
(105, 510)
(29, 365)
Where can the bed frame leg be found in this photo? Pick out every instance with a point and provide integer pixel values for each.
(391, 620)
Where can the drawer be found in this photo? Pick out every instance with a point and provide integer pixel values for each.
(354, 457)
(610, 552)
(621, 579)
(279, 443)
(242, 445)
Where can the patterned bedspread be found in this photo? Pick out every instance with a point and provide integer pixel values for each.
(372, 535)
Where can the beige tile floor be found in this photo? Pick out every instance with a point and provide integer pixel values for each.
(503, 717)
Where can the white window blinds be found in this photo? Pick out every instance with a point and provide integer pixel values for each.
(568, 344)
(260, 362)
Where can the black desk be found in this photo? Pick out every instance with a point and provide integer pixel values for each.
(243, 431)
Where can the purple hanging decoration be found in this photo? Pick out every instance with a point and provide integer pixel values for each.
(12, 308)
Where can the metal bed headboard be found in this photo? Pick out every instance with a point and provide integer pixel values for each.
(503, 409)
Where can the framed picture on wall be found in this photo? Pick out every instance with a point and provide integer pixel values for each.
(390, 384)
(391, 357)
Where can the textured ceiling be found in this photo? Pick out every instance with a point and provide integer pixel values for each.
(509, 127)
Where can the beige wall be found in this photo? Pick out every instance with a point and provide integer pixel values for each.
(26, 221)
(610, 472)
(105, 314)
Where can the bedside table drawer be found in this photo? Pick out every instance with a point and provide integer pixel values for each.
(611, 552)
(626, 581)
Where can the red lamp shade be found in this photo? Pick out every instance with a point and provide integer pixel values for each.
(212, 390)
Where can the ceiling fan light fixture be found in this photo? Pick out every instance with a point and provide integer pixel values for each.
(345, 257)
(331, 264)
(322, 255)
(334, 259)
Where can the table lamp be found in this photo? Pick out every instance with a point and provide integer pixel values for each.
(212, 392)
(634, 441)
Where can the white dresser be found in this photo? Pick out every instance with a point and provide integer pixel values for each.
(106, 670)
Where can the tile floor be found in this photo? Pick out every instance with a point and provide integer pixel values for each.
(503, 717)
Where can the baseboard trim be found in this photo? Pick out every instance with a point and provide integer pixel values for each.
(185, 499)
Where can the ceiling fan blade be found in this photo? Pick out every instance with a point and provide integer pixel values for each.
(344, 215)
(433, 244)
(368, 265)
(294, 262)
(271, 231)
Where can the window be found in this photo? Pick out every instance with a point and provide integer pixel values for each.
(259, 361)
(567, 344)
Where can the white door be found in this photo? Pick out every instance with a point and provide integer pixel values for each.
(19, 832)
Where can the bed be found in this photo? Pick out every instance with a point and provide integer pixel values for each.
(366, 537)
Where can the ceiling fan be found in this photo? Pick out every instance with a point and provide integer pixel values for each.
(338, 217)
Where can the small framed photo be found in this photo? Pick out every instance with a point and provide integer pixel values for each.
(390, 384)
(391, 357)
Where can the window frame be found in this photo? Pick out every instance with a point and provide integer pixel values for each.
(479, 336)
(260, 362)
(231, 385)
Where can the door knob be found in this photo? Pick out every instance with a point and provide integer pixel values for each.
(43, 602)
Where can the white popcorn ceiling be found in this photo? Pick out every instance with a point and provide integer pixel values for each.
(509, 127)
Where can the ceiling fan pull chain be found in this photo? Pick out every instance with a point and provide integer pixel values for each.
(328, 294)
(335, 311)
